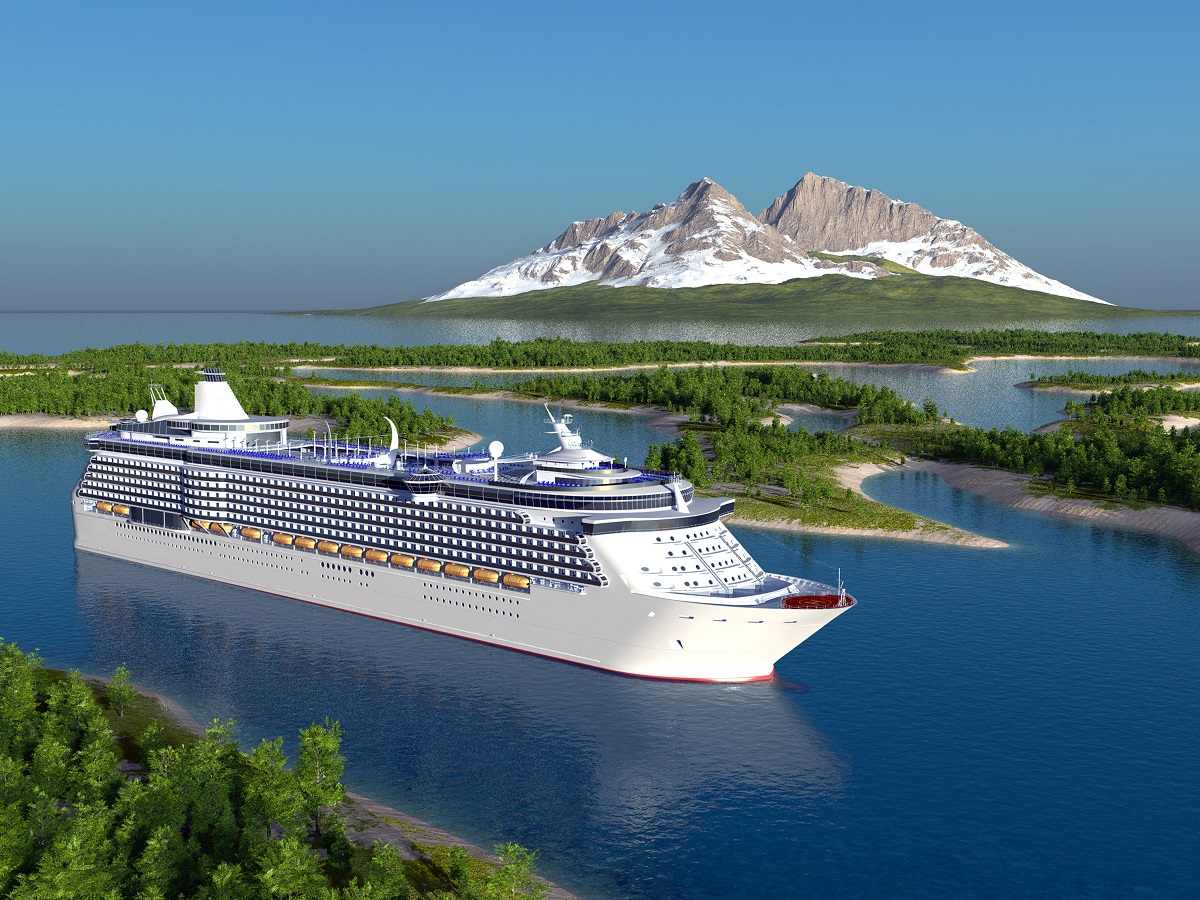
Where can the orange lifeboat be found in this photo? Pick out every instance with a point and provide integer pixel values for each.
(120, 509)
(280, 538)
(305, 543)
(352, 552)
(457, 570)
(486, 576)
(403, 560)
(327, 546)
(220, 528)
(429, 565)
(516, 581)
(104, 505)
(250, 533)
(376, 556)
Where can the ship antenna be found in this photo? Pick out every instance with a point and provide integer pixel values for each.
(841, 588)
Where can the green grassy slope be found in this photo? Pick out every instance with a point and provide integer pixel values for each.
(901, 300)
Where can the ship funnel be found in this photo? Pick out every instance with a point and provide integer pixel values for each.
(215, 398)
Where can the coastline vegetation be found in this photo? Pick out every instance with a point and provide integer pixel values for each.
(1112, 446)
(939, 347)
(1085, 381)
(96, 804)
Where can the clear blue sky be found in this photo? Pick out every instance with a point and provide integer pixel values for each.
(271, 155)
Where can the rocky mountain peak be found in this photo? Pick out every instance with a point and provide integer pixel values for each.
(829, 215)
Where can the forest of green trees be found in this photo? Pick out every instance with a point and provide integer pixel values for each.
(201, 819)
(1093, 380)
(933, 347)
(1111, 446)
(728, 394)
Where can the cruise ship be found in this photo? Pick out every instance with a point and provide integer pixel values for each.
(567, 553)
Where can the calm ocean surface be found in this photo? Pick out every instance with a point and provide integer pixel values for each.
(987, 723)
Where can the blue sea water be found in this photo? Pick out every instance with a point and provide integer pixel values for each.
(986, 723)
(57, 332)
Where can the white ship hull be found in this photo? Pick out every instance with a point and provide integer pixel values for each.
(608, 627)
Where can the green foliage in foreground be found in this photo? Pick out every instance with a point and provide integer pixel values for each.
(204, 821)
(831, 300)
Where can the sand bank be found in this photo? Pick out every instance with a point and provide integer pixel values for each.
(44, 420)
(1169, 422)
(1009, 488)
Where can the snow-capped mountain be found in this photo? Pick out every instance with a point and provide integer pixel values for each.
(707, 237)
(828, 215)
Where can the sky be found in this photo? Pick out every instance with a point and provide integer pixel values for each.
(304, 155)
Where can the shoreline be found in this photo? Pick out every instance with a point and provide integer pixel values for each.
(47, 420)
(1087, 392)
(1009, 488)
(366, 820)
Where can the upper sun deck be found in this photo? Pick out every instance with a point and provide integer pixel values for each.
(570, 476)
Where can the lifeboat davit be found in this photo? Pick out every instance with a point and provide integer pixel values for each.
(403, 560)
(349, 550)
(458, 570)
(429, 565)
(280, 538)
(486, 576)
(250, 533)
(516, 581)
(305, 543)
(376, 556)
(327, 546)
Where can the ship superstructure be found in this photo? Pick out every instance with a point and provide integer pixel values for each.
(568, 553)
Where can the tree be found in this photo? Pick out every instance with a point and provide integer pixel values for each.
(290, 870)
(460, 874)
(121, 692)
(270, 792)
(386, 872)
(515, 878)
(341, 851)
(319, 768)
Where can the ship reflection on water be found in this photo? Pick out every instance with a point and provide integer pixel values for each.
(486, 742)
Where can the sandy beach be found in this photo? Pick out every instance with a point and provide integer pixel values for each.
(42, 420)
(1087, 392)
